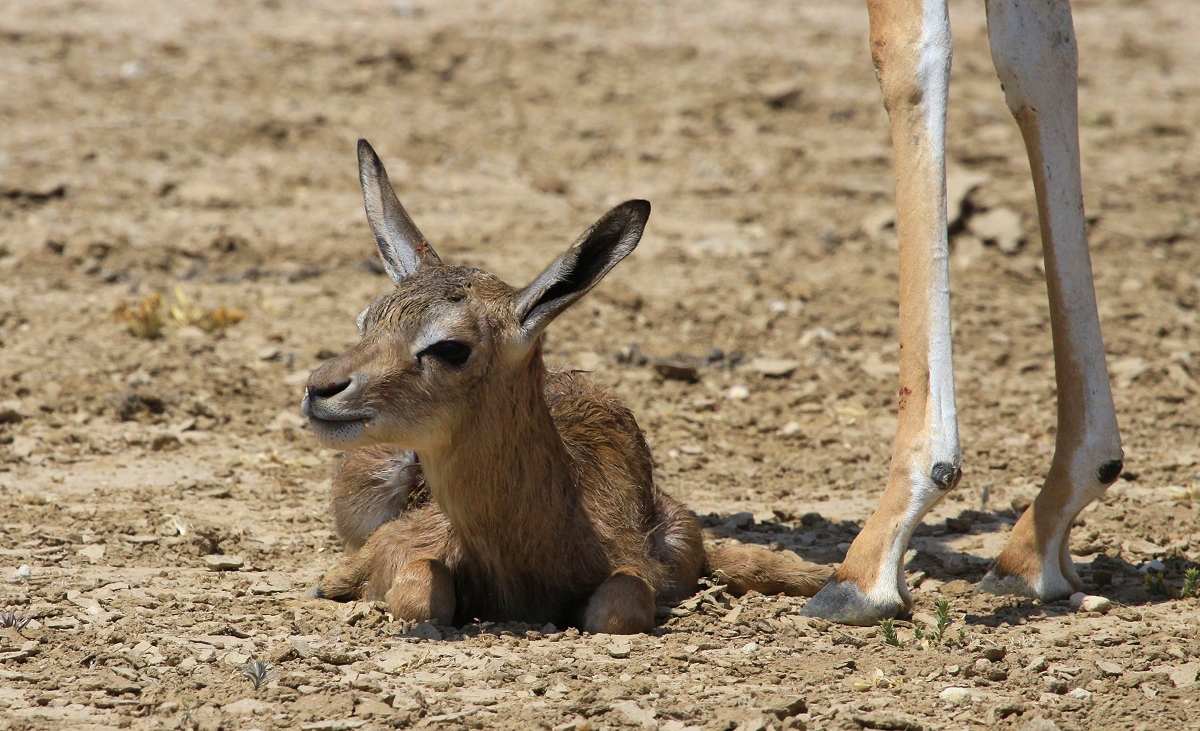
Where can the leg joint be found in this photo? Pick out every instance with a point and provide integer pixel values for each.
(1108, 472)
(945, 475)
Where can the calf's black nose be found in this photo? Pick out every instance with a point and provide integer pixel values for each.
(328, 389)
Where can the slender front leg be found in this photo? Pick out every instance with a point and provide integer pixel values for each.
(910, 45)
(1033, 48)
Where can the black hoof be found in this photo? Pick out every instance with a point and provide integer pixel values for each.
(843, 602)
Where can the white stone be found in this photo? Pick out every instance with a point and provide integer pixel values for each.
(1096, 604)
(955, 696)
(737, 393)
(775, 367)
(790, 429)
(1080, 694)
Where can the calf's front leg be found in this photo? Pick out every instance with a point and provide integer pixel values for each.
(622, 605)
(422, 590)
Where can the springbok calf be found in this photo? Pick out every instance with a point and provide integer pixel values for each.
(476, 484)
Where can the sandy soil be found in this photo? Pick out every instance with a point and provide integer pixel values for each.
(210, 146)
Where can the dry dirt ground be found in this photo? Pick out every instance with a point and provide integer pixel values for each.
(209, 146)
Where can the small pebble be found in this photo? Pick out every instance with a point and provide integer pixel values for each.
(218, 562)
(955, 696)
(1110, 668)
(790, 429)
(775, 367)
(737, 393)
(1089, 603)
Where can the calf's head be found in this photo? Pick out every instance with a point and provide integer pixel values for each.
(444, 333)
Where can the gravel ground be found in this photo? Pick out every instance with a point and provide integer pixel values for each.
(171, 504)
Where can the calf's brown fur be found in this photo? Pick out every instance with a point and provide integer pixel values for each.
(476, 484)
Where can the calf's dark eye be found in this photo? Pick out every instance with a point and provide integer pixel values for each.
(448, 352)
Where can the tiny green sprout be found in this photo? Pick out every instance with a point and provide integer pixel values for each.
(258, 672)
(889, 632)
(1191, 583)
(1156, 584)
(943, 619)
(918, 632)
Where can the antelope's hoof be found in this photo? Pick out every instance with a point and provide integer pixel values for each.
(316, 592)
(843, 602)
(997, 582)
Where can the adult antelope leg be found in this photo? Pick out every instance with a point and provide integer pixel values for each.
(910, 45)
(1033, 48)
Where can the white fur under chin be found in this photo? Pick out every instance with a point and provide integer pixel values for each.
(338, 434)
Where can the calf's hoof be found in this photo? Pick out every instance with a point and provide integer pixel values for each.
(622, 605)
(421, 591)
(843, 602)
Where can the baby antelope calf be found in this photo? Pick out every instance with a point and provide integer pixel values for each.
(477, 485)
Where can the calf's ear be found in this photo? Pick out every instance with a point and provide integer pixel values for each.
(580, 267)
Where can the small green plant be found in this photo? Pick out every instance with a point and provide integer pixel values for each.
(258, 672)
(1156, 584)
(889, 632)
(1191, 583)
(918, 632)
(943, 620)
(184, 314)
(143, 320)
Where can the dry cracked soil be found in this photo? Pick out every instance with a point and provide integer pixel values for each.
(171, 505)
